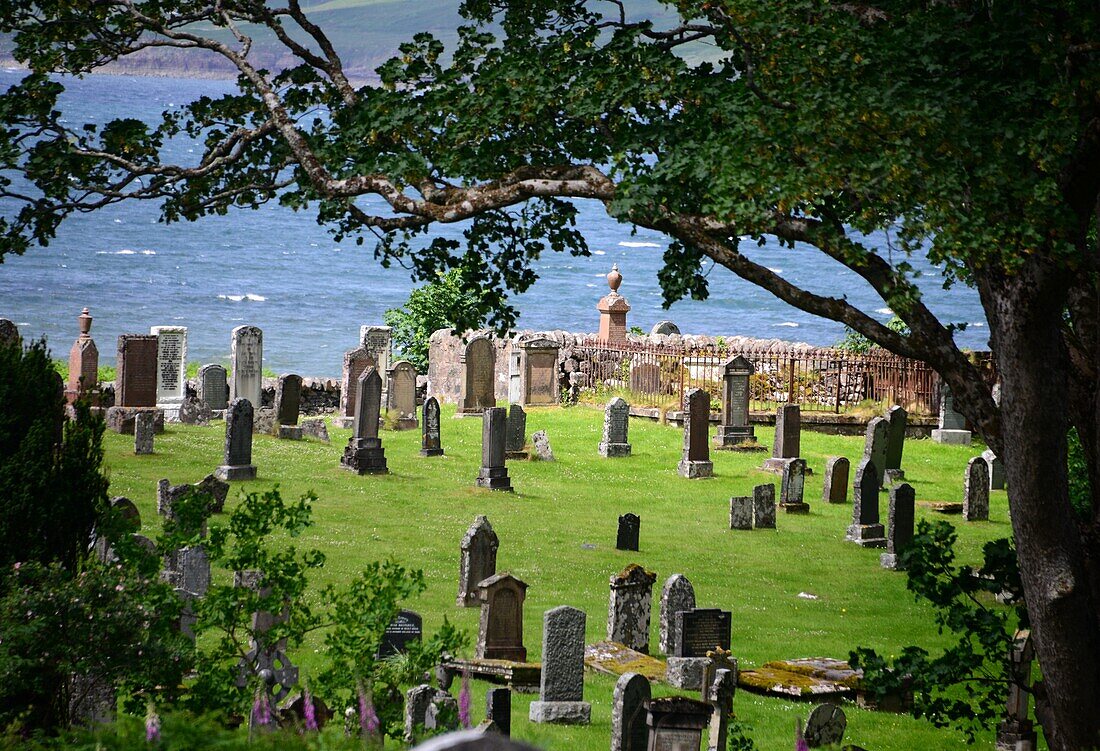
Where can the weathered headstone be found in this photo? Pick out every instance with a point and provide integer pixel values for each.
(247, 355)
(788, 437)
(793, 486)
(628, 533)
(865, 529)
(187, 570)
(376, 341)
(541, 442)
(9, 333)
(763, 507)
(315, 427)
(952, 429)
(561, 688)
(498, 709)
(1017, 731)
(92, 700)
(171, 368)
(900, 519)
(442, 713)
(996, 470)
(288, 403)
(629, 607)
(213, 384)
(430, 442)
(500, 630)
(835, 487)
(676, 595)
(735, 428)
(355, 362)
(144, 429)
(826, 726)
(628, 727)
(695, 461)
(515, 433)
(645, 378)
(874, 445)
(741, 512)
(478, 391)
(83, 361)
(898, 420)
(477, 560)
(718, 691)
(539, 372)
(364, 453)
(238, 443)
(401, 394)
(676, 723)
(417, 701)
(976, 491)
(664, 327)
(266, 661)
(136, 371)
(616, 423)
(407, 627)
(194, 411)
(494, 473)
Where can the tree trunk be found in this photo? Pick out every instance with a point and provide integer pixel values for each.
(1025, 314)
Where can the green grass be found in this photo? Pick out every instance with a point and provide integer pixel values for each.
(419, 512)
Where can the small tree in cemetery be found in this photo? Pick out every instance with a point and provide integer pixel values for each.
(967, 128)
(441, 303)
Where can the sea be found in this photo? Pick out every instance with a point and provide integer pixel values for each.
(278, 269)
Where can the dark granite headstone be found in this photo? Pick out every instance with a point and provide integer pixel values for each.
(136, 371)
(430, 443)
(900, 518)
(516, 433)
(500, 631)
(364, 453)
(494, 473)
(408, 626)
(214, 386)
(874, 445)
(498, 709)
(695, 461)
(700, 630)
(835, 487)
(735, 427)
(898, 420)
(629, 529)
(865, 529)
(288, 399)
(238, 443)
(477, 560)
(788, 432)
(792, 487)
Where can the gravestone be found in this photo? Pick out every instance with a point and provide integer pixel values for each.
(136, 371)
(266, 656)
(407, 627)
(515, 438)
(702, 630)
(865, 529)
(676, 595)
(539, 372)
(288, 403)
(613, 308)
(498, 709)
(976, 491)
(900, 519)
(952, 429)
(763, 507)
(364, 454)
(494, 473)
(187, 570)
(478, 390)
(788, 436)
(826, 726)
(629, 531)
(417, 701)
(835, 487)
(216, 490)
(898, 420)
(628, 727)
(676, 723)
(735, 428)
(629, 607)
(792, 487)
(477, 560)
(561, 687)
(247, 357)
(213, 386)
(355, 362)
(500, 630)
(442, 713)
(741, 512)
(695, 461)
(996, 470)
(430, 443)
(315, 427)
(401, 394)
(92, 700)
(171, 368)
(9, 334)
(376, 341)
(718, 691)
(664, 327)
(874, 445)
(144, 429)
(194, 411)
(541, 442)
(83, 361)
(1017, 731)
(616, 423)
(645, 378)
(238, 443)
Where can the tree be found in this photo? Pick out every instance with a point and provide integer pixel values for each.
(428, 309)
(972, 128)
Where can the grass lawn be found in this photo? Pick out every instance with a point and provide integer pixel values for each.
(419, 512)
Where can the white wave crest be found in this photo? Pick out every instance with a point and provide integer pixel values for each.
(885, 311)
(626, 244)
(790, 324)
(775, 271)
(599, 252)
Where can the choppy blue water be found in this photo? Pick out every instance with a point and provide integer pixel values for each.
(279, 270)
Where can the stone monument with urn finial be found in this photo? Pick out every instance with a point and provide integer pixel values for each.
(613, 308)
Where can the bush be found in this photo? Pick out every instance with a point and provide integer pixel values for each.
(429, 308)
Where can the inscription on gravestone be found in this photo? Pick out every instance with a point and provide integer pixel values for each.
(171, 365)
(701, 630)
(406, 627)
(247, 355)
(214, 386)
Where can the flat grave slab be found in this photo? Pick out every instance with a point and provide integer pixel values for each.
(613, 658)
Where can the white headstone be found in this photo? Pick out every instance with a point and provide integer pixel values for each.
(171, 368)
(247, 355)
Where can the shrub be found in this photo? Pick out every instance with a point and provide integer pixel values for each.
(429, 308)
